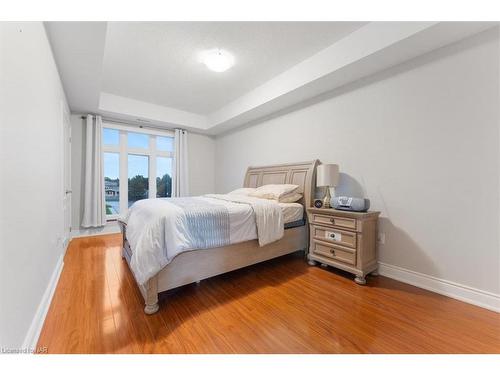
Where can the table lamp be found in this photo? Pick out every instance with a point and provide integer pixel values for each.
(327, 175)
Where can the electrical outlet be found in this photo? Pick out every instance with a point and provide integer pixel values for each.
(381, 238)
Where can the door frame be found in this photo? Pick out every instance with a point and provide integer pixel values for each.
(66, 176)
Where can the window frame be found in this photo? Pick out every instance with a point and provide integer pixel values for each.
(123, 151)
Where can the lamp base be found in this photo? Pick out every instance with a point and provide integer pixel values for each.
(327, 199)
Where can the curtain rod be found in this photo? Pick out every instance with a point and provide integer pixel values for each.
(152, 126)
(110, 120)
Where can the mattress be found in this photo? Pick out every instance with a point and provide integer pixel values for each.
(242, 219)
(292, 212)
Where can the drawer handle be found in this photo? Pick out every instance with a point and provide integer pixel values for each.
(332, 252)
(332, 220)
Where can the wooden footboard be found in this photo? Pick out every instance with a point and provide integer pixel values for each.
(196, 265)
(149, 290)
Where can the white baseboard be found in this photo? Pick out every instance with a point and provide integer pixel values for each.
(35, 329)
(488, 300)
(110, 228)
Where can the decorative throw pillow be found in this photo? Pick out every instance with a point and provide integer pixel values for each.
(290, 198)
(273, 191)
(242, 191)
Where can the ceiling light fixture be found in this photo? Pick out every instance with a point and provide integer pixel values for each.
(217, 60)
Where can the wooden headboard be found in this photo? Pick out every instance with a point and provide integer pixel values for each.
(302, 174)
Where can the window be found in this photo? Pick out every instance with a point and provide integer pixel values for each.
(112, 182)
(138, 182)
(110, 137)
(136, 140)
(163, 177)
(165, 143)
(137, 165)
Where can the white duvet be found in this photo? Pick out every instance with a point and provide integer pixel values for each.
(157, 230)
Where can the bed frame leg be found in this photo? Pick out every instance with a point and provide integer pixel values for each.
(151, 309)
(151, 297)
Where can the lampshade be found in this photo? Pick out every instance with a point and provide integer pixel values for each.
(327, 175)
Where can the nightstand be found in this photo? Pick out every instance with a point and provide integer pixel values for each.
(345, 240)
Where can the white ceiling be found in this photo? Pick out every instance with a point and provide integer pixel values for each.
(157, 62)
(148, 71)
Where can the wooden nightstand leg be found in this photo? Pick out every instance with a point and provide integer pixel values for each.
(360, 280)
(311, 262)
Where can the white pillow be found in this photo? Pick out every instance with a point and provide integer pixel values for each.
(273, 191)
(242, 191)
(290, 198)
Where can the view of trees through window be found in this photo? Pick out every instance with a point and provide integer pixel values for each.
(164, 186)
(137, 189)
(145, 156)
(138, 173)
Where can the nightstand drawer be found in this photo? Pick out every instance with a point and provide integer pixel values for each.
(334, 252)
(336, 236)
(344, 222)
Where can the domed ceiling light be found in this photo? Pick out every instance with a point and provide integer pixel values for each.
(217, 60)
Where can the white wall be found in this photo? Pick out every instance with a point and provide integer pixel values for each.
(421, 140)
(31, 187)
(201, 151)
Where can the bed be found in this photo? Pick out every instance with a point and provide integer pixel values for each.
(195, 265)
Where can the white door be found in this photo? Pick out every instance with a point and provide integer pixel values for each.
(66, 176)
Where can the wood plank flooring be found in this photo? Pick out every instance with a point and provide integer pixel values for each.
(279, 306)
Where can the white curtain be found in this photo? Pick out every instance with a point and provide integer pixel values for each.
(94, 210)
(180, 181)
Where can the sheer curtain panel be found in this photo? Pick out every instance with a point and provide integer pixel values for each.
(180, 183)
(94, 210)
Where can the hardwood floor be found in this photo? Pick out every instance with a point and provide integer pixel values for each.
(280, 306)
